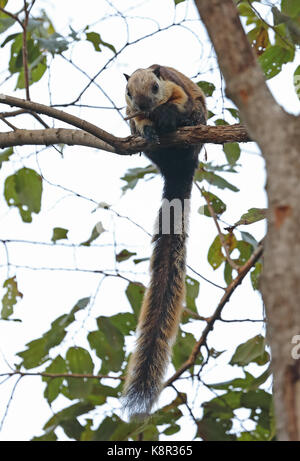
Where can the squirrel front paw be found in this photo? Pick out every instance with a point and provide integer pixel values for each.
(150, 134)
(164, 118)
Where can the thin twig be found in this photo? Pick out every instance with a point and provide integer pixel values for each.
(221, 236)
(60, 375)
(25, 51)
(9, 401)
(216, 316)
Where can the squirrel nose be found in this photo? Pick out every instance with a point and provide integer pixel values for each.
(144, 103)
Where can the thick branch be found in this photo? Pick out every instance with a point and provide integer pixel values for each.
(63, 116)
(131, 144)
(125, 146)
(51, 136)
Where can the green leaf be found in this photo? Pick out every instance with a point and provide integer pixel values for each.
(259, 38)
(245, 9)
(255, 275)
(191, 292)
(133, 175)
(4, 156)
(297, 81)
(245, 250)
(54, 385)
(207, 87)
(232, 151)
(236, 383)
(35, 354)
(108, 343)
(273, 59)
(290, 7)
(253, 215)
(5, 20)
(140, 260)
(124, 430)
(170, 413)
(215, 430)
(124, 255)
(10, 298)
(72, 428)
(172, 429)
(106, 429)
(68, 414)
(37, 350)
(220, 122)
(125, 322)
(96, 40)
(55, 43)
(178, 1)
(99, 393)
(49, 436)
(78, 360)
(215, 255)
(249, 239)
(16, 62)
(24, 191)
(97, 230)
(227, 273)
(59, 233)
(214, 180)
(252, 350)
(234, 112)
(183, 348)
(208, 166)
(135, 292)
(9, 38)
(217, 204)
(37, 70)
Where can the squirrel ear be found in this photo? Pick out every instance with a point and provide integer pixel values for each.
(127, 77)
(157, 71)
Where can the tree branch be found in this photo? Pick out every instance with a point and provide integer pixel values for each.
(51, 136)
(123, 146)
(216, 315)
(60, 375)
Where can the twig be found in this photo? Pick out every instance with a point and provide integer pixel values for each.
(9, 402)
(60, 375)
(216, 316)
(270, 26)
(13, 16)
(13, 127)
(221, 236)
(24, 51)
(136, 114)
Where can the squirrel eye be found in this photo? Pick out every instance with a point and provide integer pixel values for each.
(128, 93)
(155, 88)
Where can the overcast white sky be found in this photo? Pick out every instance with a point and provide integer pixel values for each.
(96, 175)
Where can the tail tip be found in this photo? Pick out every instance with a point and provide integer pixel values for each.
(137, 406)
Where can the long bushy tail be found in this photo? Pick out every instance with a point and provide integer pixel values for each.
(158, 324)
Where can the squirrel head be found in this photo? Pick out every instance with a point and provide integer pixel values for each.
(145, 89)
